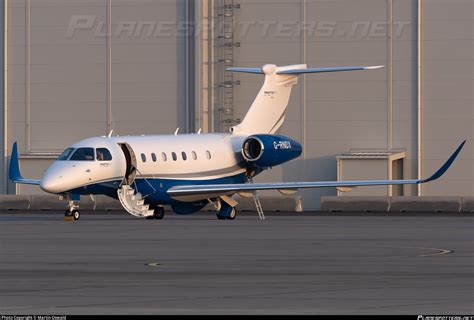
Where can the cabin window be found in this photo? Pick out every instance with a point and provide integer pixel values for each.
(208, 154)
(143, 157)
(153, 157)
(103, 154)
(194, 155)
(65, 155)
(183, 154)
(163, 156)
(173, 155)
(83, 154)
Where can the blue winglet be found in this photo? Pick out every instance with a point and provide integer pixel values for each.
(446, 165)
(14, 171)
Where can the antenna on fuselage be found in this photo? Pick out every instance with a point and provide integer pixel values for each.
(110, 133)
(199, 131)
(176, 132)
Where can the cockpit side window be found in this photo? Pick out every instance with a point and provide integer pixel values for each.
(103, 154)
(83, 154)
(65, 155)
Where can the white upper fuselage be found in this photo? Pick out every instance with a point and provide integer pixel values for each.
(208, 156)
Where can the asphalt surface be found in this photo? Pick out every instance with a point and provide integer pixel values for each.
(288, 264)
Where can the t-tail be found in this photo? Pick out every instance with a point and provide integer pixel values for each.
(267, 112)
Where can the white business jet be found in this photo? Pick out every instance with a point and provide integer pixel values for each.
(189, 171)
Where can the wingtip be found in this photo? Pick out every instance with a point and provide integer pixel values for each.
(374, 67)
(441, 171)
(14, 169)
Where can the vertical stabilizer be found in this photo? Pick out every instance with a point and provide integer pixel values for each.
(267, 111)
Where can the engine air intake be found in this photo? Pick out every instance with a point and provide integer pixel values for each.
(268, 150)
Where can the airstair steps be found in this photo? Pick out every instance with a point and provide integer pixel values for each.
(133, 202)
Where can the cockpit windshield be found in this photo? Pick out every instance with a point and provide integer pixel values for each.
(83, 154)
(65, 155)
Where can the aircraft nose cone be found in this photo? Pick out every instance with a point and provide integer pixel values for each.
(50, 185)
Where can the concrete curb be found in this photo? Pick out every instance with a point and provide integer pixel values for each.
(354, 204)
(270, 204)
(14, 202)
(47, 202)
(398, 204)
(425, 204)
(104, 203)
(467, 204)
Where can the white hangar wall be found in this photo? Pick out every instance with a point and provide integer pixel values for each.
(68, 79)
(149, 77)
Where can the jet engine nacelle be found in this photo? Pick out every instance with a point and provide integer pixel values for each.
(268, 150)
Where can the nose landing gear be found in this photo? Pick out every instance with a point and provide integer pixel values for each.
(72, 213)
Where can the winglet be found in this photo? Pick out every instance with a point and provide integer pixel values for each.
(14, 170)
(446, 165)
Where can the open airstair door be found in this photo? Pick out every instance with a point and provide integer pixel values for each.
(131, 170)
(132, 200)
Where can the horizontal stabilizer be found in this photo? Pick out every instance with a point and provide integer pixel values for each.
(246, 70)
(267, 112)
(14, 171)
(322, 70)
(307, 70)
(187, 192)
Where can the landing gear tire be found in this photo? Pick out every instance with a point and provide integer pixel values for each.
(232, 214)
(158, 214)
(76, 215)
(72, 210)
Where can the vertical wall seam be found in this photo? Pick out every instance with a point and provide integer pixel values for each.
(210, 66)
(199, 65)
(303, 87)
(28, 77)
(186, 67)
(390, 87)
(419, 96)
(109, 67)
(5, 95)
(390, 77)
(191, 66)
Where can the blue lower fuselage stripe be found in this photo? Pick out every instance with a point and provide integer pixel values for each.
(154, 189)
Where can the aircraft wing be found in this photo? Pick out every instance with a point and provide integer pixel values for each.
(193, 192)
(14, 171)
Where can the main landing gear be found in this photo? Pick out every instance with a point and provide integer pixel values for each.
(158, 214)
(226, 212)
(72, 212)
